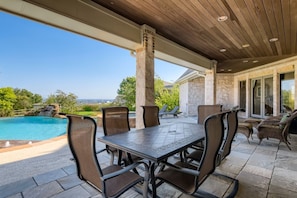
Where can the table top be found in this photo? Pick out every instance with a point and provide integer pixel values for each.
(158, 142)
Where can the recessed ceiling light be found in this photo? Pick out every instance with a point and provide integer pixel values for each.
(222, 70)
(229, 69)
(222, 50)
(255, 61)
(245, 45)
(222, 18)
(245, 61)
(273, 39)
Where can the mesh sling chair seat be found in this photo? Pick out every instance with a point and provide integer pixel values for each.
(115, 120)
(187, 177)
(112, 180)
(225, 150)
(150, 116)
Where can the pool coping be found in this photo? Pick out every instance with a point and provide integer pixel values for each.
(17, 147)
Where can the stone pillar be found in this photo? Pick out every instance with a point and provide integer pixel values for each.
(210, 85)
(276, 92)
(295, 78)
(145, 94)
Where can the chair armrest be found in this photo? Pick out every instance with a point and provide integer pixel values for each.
(181, 169)
(126, 169)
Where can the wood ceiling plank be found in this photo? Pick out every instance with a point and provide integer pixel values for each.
(253, 9)
(277, 8)
(287, 24)
(243, 22)
(272, 25)
(293, 8)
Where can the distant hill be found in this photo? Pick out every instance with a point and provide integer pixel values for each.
(93, 101)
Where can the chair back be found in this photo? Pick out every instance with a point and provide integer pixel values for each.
(214, 133)
(206, 110)
(232, 125)
(150, 116)
(286, 129)
(163, 109)
(81, 133)
(115, 120)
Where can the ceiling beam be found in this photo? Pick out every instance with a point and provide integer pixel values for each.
(89, 19)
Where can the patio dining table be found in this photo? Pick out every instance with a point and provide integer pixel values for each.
(157, 143)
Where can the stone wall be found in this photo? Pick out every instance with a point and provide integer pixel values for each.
(191, 95)
(224, 92)
(196, 95)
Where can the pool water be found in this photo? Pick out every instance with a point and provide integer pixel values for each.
(32, 128)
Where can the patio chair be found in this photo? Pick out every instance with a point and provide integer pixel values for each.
(225, 149)
(115, 120)
(206, 110)
(111, 181)
(276, 129)
(150, 116)
(163, 109)
(173, 112)
(187, 177)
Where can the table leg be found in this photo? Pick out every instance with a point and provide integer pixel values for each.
(152, 169)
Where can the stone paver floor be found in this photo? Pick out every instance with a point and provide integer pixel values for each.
(266, 170)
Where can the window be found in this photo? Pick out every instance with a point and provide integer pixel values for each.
(287, 88)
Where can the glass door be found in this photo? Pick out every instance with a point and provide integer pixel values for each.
(262, 97)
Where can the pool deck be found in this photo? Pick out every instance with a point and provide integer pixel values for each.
(44, 170)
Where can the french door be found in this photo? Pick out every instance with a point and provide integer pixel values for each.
(262, 97)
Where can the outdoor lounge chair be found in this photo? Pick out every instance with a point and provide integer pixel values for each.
(187, 177)
(163, 109)
(115, 120)
(150, 116)
(276, 129)
(112, 180)
(173, 112)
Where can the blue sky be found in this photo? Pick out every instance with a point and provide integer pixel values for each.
(44, 59)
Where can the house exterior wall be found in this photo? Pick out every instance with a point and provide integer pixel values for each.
(227, 87)
(224, 95)
(273, 70)
(196, 95)
(183, 98)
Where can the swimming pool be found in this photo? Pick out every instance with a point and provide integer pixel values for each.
(31, 128)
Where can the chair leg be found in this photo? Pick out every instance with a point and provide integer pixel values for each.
(235, 181)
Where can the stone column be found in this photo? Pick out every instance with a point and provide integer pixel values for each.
(295, 78)
(145, 94)
(210, 85)
(276, 92)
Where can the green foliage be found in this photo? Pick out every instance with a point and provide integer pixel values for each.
(7, 100)
(169, 97)
(90, 107)
(287, 98)
(127, 93)
(25, 99)
(67, 102)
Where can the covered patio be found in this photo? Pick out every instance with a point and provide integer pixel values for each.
(224, 41)
(227, 42)
(266, 170)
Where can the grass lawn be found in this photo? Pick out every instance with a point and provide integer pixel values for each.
(88, 113)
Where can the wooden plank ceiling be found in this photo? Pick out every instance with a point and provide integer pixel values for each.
(241, 42)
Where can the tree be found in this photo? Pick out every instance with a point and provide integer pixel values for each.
(25, 99)
(7, 100)
(168, 96)
(67, 102)
(127, 92)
